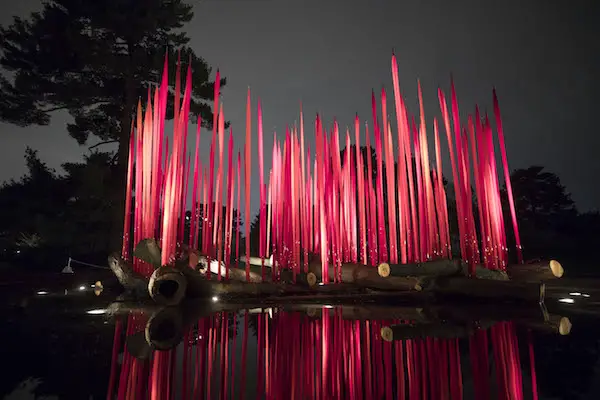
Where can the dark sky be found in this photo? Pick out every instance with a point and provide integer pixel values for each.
(542, 58)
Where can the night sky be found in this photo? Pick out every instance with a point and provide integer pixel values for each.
(541, 57)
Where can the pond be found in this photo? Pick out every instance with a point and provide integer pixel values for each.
(66, 339)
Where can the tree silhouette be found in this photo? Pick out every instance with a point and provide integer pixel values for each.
(541, 200)
(95, 59)
(546, 214)
(28, 204)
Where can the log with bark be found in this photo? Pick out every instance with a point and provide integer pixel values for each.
(537, 271)
(203, 264)
(186, 277)
(367, 276)
(169, 285)
(441, 267)
(438, 268)
(131, 281)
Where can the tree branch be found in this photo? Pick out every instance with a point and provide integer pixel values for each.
(54, 109)
(64, 107)
(102, 143)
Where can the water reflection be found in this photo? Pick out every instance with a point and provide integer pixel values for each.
(320, 352)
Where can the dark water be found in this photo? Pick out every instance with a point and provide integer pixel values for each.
(60, 340)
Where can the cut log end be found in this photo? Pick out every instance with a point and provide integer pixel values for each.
(564, 326)
(164, 330)
(387, 334)
(167, 286)
(311, 279)
(384, 270)
(556, 268)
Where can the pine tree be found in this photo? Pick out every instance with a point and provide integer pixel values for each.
(96, 59)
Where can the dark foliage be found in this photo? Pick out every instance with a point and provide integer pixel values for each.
(96, 59)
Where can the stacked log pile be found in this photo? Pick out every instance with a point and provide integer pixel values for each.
(190, 275)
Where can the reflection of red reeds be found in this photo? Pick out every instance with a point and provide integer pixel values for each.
(322, 358)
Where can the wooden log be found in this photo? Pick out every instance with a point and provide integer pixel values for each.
(438, 268)
(441, 267)
(257, 261)
(366, 276)
(283, 275)
(198, 286)
(168, 285)
(127, 277)
(496, 290)
(539, 271)
(235, 274)
(255, 274)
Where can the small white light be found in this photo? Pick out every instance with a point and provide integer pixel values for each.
(328, 306)
(97, 311)
(82, 288)
(18, 251)
(575, 294)
(568, 301)
(585, 295)
(215, 299)
(42, 293)
(321, 283)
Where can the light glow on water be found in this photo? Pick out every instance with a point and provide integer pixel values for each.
(97, 311)
(567, 300)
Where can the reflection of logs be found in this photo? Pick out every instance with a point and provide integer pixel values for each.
(536, 318)
(165, 329)
(422, 331)
(539, 271)
(363, 313)
(553, 324)
(166, 325)
(461, 320)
